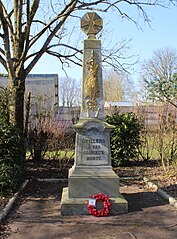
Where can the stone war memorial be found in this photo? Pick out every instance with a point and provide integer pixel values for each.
(92, 171)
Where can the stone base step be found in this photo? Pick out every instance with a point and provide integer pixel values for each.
(78, 206)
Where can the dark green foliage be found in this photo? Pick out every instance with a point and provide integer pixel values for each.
(125, 138)
(11, 152)
(4, 102)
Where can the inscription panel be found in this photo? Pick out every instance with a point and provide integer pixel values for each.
(93, 147)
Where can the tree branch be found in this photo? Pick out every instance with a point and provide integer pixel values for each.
(30, 15)
(64, 14)
(65, 46)
(9, 63)
(3, 62)
(33, 10)
(70, 8)
(68, 57)
(7, 16)
(2, 51)
(168, 99)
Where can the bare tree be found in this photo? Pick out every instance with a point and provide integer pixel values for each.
(113, 86)
(160, 76)
(69, 92)
(116, 86)
(31, 28)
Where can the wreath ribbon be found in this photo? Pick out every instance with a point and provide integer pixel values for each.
(106, 205)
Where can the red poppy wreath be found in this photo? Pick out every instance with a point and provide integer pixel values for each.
(91, 205)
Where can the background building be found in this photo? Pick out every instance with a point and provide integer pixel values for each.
(44, 92)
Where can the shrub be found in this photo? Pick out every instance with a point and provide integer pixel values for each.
(166, 143)
(46, 135)
(158, 137)
(125, 138)
(11, 153)
(37, 143)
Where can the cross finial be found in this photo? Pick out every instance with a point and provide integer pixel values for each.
(91, 24)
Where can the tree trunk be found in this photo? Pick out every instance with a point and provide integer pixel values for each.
(17, 89)
(19, 106)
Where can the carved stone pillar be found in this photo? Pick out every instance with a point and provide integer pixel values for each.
(92, 172)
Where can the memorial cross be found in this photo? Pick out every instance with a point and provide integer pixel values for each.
(91, 24)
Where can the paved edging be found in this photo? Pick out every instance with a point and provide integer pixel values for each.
(131, 178)
(172, 201)
(9, 205)
(63, 180)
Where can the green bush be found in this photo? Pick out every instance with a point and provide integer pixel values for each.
(11, 153)
(125, 138)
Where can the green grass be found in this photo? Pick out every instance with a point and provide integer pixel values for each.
(60, 154)
(56, 154)
(157, 146)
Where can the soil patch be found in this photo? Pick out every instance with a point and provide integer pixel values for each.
(58, 168)
(141, 199)
(48, 168)
(36, 215)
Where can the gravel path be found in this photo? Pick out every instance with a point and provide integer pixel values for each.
(36, 215)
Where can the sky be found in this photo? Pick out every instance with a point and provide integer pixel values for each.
(161, 33)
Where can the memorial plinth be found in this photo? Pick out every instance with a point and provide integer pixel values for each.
(92, 172)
